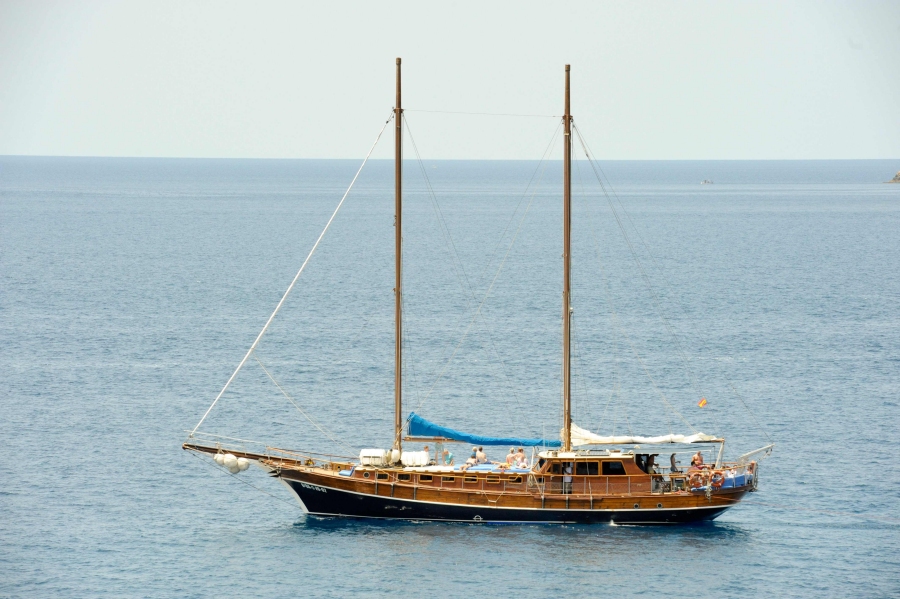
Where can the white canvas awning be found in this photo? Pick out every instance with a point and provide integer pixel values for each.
(581, 436)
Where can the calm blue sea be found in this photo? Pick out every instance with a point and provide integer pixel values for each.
(131, 288)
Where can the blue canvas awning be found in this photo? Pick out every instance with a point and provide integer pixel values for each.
(419, 427)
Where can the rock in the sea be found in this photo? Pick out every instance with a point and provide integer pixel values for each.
(896, 178)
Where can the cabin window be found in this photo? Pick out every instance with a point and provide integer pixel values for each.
(541, 463)
(470, 479)
(586, 468)
(515, 479)
(613, 469)
(424, 478)
(403, 477)
(382, 476)
(492, 479)
(556, 468)
(448, 479)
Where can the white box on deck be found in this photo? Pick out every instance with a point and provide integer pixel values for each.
(373, 457)
(415, 458)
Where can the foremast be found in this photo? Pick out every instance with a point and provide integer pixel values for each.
(567, 268)
(398, 267)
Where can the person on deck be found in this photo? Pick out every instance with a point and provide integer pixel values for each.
(448, 458)
(511, 456)
(567, 478)
(481, 456)
(521, 460)
(674, 464)
(469, 463)
(520, 455)
(698, 457)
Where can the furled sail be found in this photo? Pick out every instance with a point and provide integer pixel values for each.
(419, 427)
(582, 436)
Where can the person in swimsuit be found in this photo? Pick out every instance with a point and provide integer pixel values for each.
(698, 459)
(469, 463)
(521, 460)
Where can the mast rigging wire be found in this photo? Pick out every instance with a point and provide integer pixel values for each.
(542, 116)
(646, 278)
(694, 381)
(322, 429)
(458, 267)
(617, 328)
(294, 282)
(614, 317)
(499, 268)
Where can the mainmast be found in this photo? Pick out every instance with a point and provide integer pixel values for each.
(398, 266)
(567, 268)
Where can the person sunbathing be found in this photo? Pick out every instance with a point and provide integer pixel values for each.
(469, 463)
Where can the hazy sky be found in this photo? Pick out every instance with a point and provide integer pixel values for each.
(657, 80)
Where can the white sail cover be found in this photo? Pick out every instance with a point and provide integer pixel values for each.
(581, 436)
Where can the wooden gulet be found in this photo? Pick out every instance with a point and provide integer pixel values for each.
(565, 485)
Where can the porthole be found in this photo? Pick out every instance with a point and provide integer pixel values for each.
(658, 505)
(366, 474)
(637, 506)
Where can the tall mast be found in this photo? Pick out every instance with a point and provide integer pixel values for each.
(398, 266)
(567, 267)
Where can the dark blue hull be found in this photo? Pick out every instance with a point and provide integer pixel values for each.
(327, 501)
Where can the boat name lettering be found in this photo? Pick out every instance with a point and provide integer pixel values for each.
(313, 487)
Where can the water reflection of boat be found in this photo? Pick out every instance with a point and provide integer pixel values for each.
(581, 477)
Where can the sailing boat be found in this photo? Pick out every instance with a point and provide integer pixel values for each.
(582, 477)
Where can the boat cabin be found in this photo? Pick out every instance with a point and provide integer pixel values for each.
(585, 473)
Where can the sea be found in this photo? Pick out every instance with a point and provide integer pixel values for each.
(130, 290)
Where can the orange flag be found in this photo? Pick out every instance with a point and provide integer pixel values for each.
(702, 402)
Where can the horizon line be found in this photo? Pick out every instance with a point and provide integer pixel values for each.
(100, 156)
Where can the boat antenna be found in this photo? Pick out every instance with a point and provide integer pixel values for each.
(398, 266)
(567, 268)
